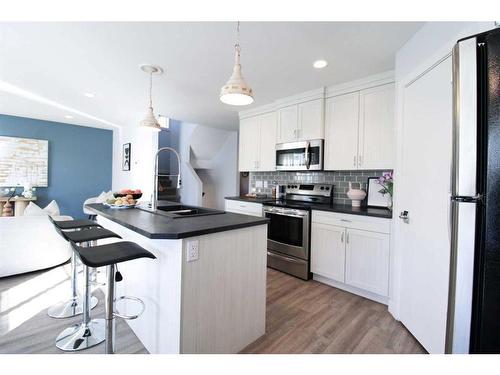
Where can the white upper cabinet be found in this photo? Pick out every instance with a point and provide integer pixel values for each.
(311, 120)
(302, 121)
(267, 152)
(376, 128)
(249, 144)
(341, 132)
(359, 130)
(257, 143)
(287, 124)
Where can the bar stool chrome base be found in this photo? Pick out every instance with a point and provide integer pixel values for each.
(67, 309)
(81, 336)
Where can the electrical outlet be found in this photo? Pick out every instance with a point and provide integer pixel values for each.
(192, 252)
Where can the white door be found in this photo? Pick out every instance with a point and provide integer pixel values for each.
(367, 260)
(341, 132)
(267, 158)
(287, 124)
(328, 251)
(422, 242)
(376, 128)
(311, 123)
(249, 144)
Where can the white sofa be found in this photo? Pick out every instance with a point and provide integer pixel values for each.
(30, 243)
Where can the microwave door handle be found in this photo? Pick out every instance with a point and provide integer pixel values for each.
(307, 158)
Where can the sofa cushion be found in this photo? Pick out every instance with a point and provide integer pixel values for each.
(52, 209)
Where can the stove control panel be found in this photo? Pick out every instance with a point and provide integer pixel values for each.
(325, 190)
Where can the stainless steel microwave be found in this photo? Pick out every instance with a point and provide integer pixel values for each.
(300, 156)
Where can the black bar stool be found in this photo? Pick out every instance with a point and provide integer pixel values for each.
(73, 307)
(91, 331)
(110, 255)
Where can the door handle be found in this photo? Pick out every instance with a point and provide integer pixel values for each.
(404, 216)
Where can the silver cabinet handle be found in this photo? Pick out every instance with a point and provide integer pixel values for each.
(354, 162)
(345, 220)
(347, 238)
(342, 237)
(360, 160)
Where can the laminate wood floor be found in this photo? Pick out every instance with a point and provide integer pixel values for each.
(26, 328)
(302, 317)
(310, 317)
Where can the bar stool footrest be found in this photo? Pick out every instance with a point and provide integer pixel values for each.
(130, 298)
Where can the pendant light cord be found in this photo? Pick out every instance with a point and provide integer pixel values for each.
(151, 90)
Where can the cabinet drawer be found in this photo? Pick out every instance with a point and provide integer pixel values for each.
(246, 208)
(373, 224)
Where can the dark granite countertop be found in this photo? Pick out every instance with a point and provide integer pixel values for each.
(340, 208)
(157, 226)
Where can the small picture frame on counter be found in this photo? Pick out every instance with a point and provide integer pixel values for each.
(374, 198)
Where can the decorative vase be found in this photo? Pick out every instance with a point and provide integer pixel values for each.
(7, 209)
(355, 195)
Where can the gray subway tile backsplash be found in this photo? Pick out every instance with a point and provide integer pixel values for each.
(340, 180)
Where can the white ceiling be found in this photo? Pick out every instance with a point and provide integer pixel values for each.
(55, 63)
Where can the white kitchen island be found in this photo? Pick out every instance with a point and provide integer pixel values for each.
(213, 304)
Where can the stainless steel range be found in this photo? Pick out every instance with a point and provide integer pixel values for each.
(289, 235)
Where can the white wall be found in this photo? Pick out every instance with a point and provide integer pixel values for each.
(144, 144)
(430, 44)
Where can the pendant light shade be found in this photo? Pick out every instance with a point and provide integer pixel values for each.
(236, 91)
(150, 121)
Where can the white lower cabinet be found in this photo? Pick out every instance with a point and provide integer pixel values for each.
(351, 252)
(328, 251)
(367, 260)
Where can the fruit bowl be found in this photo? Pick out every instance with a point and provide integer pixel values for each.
(134, 195)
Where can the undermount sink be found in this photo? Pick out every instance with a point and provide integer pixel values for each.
(177, 211)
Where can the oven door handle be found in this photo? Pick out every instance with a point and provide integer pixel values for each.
(285, 214)
(285, 257)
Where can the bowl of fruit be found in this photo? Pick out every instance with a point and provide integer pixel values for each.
(136, 194)
(121, 202)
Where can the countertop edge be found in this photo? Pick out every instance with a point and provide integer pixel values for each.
(179, 236)
(381, 215)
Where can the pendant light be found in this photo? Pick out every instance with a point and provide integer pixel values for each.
(150, 121)
(236, 91)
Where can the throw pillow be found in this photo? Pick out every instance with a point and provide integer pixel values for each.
(33, 210)
(52, 209)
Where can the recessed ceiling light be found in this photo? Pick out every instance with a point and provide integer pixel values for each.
(320, 64)
(68, 116)
(88, 94)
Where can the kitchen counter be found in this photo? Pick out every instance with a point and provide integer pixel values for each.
(193, 289)
(340, 208)
(157, 226)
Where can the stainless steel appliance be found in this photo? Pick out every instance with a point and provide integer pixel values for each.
(300, 156)
(288, 235)
(474, 295)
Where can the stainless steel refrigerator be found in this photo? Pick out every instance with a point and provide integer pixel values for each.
(474, 297)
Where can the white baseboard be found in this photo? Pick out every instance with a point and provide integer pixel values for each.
(351, 289)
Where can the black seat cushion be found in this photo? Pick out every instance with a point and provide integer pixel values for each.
(85, 235)
(104, 255)
(74, 224)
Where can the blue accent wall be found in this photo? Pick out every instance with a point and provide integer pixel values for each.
(80, 160)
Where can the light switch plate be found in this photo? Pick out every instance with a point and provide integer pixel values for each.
(192, 251)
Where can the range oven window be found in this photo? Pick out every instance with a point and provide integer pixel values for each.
(285, 229)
